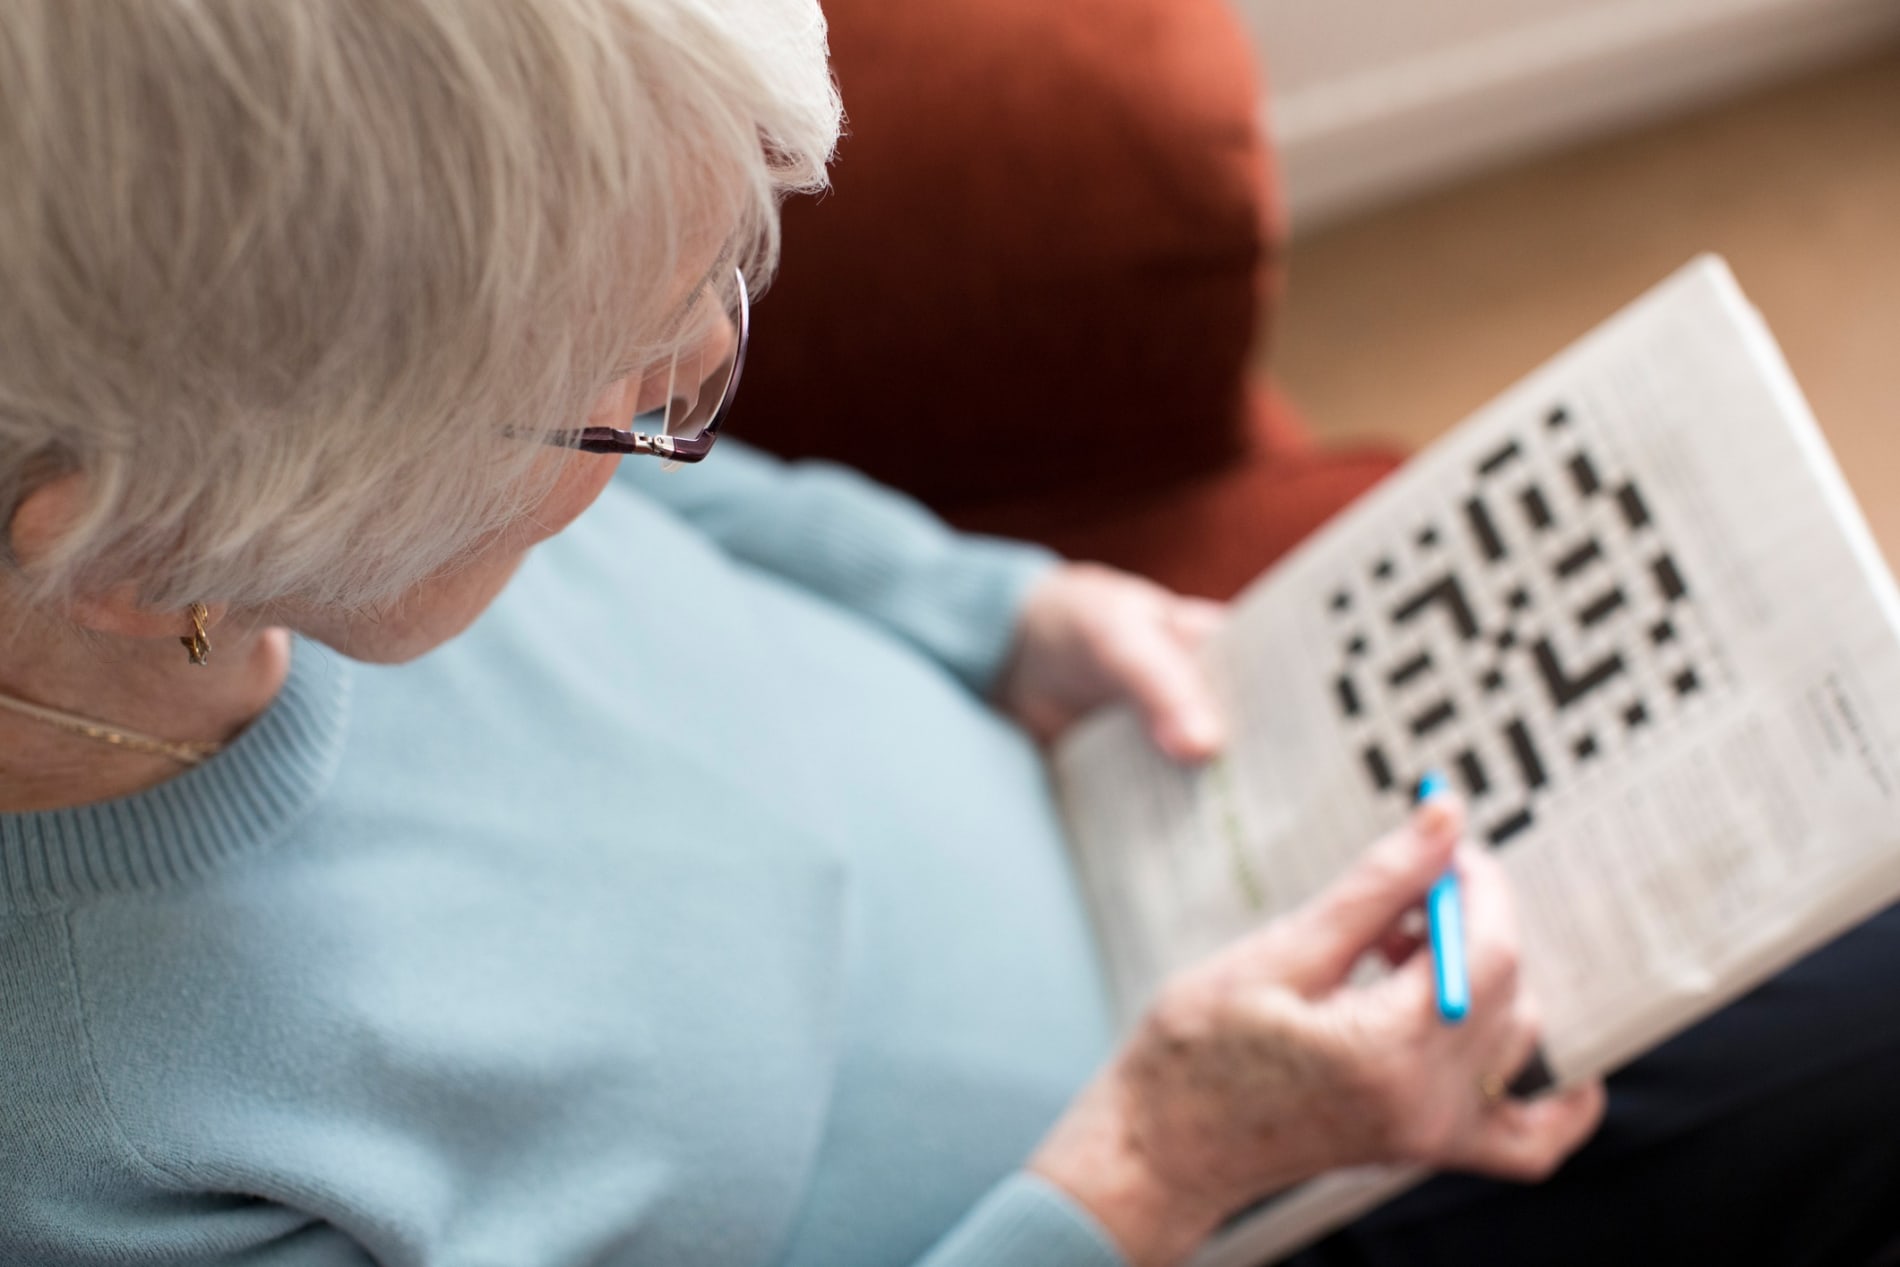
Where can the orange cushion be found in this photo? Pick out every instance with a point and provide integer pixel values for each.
(1043, 264)
(1209, 534)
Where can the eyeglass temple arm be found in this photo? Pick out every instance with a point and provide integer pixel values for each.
(614, 440)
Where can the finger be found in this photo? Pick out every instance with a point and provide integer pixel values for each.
(1399, 945)
(1193, 619)
(1501, 1043)
(1528, 1139)
(1492, 947)
(1169, 688)
(1525, 1034)
(1327, 936)
(1410, 935)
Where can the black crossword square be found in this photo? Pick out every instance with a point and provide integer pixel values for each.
(1532, 626)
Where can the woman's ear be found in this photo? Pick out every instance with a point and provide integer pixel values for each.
(39, 519)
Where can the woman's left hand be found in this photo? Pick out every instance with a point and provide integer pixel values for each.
(1090, 635)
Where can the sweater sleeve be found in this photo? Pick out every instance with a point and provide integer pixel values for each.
(1025, 1220)
(864, 546)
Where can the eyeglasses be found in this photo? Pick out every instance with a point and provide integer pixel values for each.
(685, 428)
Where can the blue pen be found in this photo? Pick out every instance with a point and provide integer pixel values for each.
(1445, 913)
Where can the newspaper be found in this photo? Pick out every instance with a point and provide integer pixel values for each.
(1632, 611)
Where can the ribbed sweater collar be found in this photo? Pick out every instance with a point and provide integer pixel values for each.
(244, 798)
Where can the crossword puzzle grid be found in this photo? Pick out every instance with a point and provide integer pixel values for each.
(1524, 632)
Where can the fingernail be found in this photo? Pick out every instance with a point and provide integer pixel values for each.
(1201, 732)
(1432, 816)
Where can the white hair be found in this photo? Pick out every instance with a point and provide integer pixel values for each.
(296, 284)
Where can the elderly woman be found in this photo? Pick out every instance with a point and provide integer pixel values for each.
(696, 897)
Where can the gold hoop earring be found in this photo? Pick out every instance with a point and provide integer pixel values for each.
(198, 643)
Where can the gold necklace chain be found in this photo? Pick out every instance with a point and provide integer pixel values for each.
(183, 751)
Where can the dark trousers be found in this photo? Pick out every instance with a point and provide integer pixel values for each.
(1770, 1133)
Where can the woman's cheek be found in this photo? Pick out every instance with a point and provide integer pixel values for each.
(615, 404)
(581, 484)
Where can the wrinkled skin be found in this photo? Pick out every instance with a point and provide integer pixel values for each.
(1090, 635)
(1263, 1066)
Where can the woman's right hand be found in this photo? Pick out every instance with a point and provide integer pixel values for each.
(1264, 1066)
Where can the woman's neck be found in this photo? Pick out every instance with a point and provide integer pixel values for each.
(134, 684)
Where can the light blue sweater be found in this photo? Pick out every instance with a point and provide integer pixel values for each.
(691, 908)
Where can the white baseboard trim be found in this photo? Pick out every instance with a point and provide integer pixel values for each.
(1351, 144)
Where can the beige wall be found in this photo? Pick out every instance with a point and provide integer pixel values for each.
(1374, 99)
(1401, 322)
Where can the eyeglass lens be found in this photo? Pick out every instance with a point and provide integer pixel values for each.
(701, 375)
